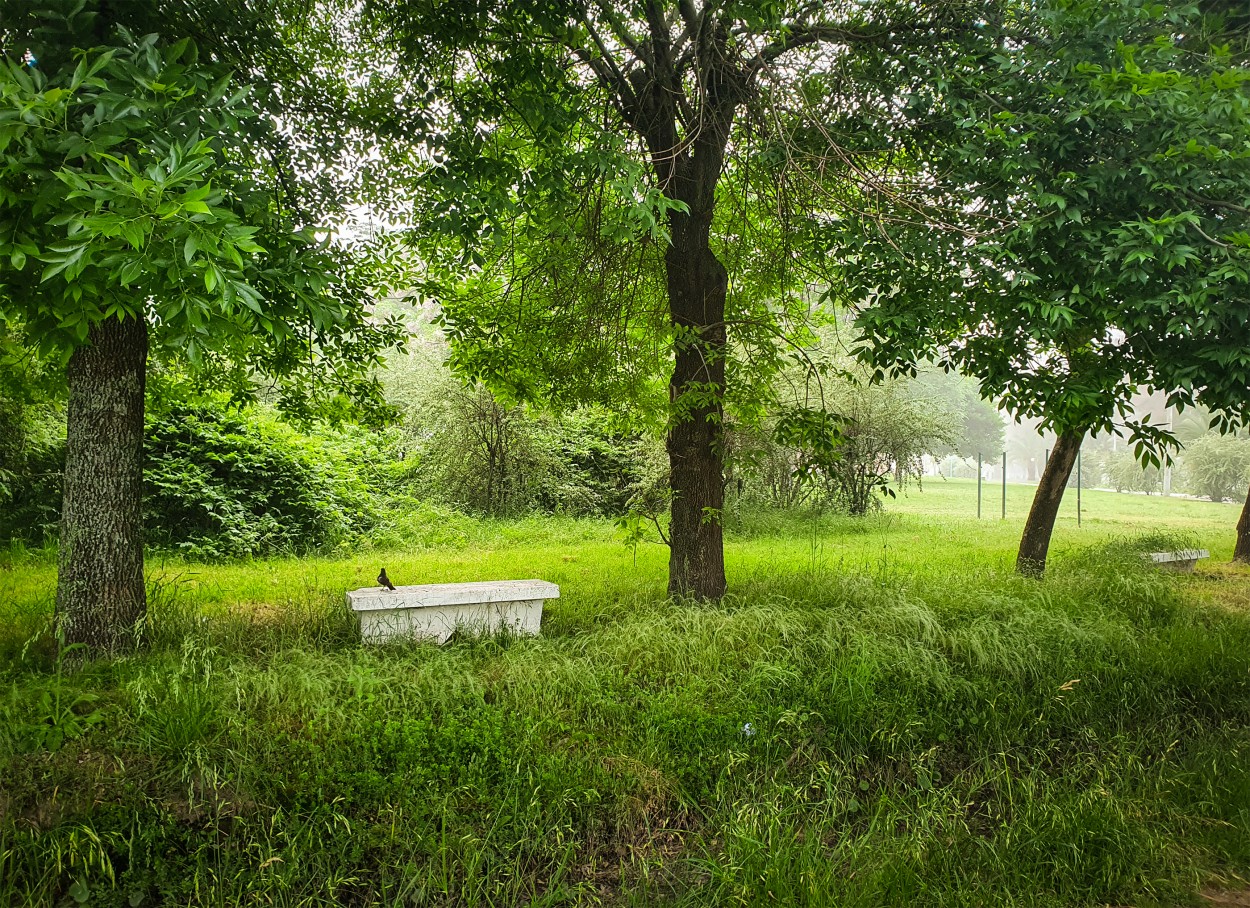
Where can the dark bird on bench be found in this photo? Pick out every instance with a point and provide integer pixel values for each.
(385, 581)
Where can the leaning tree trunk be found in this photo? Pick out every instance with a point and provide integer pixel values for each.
(100, 596)
(697, 284)
(1035, 542)
(1241, 552)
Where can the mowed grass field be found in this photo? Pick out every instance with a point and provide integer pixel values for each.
(880, 713)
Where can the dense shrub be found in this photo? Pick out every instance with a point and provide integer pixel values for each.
(224, 483)
(219, 482)
(32, 459)
(32, 436)
(610, 467)
(1126, 474)
(481, 455)
(882, 431)
(1217, 466)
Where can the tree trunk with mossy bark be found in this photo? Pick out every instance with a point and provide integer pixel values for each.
(1035, 543)
(1241, 551)
(100, 596)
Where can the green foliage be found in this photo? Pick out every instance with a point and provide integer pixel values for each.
(32, 435)
(956, 735)
(489, 458)
(761, 469)
(130, 187)
(405, 522)
(848, 450)
(53, 716)
(609, 203)
(483, 455)
(1217, 467)
(1088, 235)
(471, 450)
(887, 427)
(1126, 474)
(977, 425)
(32, 458)
(222, 483)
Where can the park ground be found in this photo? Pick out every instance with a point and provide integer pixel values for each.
(881, 713)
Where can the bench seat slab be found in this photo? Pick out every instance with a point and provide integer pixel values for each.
(435, 611)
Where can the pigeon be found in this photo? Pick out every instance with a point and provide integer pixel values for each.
(385, 581)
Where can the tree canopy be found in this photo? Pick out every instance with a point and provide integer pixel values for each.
(137, 218)
(131, 189)
(1084, 229)
(1093, 234)
(624, 176)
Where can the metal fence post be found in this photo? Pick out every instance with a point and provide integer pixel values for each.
(1078, 487)
(1004, 485)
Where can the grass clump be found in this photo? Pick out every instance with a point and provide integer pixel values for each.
(936, 731)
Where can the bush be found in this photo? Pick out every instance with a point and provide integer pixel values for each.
(762, 470)
(219, 483)
(32, 441)
(481, 455)
(1217, 466)
(1126, 474)
(846, 452)
(32, 459)
(222, 484)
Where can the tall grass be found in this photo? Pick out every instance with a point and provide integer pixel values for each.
(919, 729)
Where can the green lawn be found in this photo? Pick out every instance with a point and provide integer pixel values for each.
(930, 529)
(1100, 510)
(928, 728)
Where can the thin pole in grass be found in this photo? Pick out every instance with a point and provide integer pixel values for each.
(1004, 485)
(1078, 487)
(978, 485)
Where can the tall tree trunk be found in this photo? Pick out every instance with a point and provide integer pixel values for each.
(1035, 542)
(688, 170)
(1241, 552)
(100, 594)
(697, 285)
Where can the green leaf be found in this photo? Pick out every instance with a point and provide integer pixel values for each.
(134, 234)
(131, 271)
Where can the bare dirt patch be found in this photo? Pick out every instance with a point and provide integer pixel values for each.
(1226, 898)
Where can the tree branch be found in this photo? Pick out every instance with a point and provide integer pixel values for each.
(1210, 239)
(621, 32)
(606, 70)
(1218, 203)
(661, 44)
(804, 35)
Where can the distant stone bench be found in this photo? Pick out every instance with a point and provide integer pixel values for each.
(437, 610)
(1183, 560)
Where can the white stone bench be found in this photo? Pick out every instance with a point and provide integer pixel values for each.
(437, 610)
(1183, 560)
